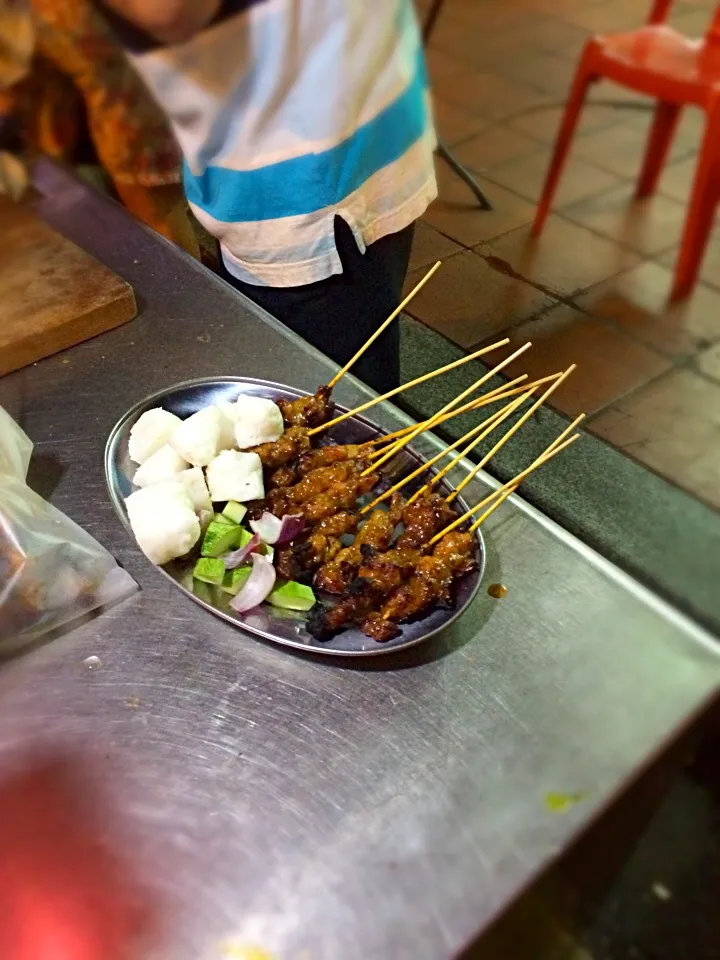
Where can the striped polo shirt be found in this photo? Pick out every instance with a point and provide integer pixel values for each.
(290, 112)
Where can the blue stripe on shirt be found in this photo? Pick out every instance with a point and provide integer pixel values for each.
(314, 181)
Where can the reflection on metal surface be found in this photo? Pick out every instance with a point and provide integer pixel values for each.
(283, 627)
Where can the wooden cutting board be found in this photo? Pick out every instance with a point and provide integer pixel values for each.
(52, 294)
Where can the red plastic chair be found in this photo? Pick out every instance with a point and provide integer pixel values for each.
(660, 62)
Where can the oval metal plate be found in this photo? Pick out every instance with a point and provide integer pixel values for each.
(279, 626)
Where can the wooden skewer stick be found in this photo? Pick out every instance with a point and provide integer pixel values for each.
(506, 412)
(528, 413)
(553, 446)
(548, 455)
(492, 508)
(487, 426)
(490, 423)
(395, 313)
(499, 393)
(406, 386)
(528, 387)
(448, 406)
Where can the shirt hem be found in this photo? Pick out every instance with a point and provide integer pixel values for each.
(302, 272)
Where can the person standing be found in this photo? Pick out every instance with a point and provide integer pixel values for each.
(308, 151)
(79, 69)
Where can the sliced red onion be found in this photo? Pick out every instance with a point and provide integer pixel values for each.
(292, 525)
(273, 530)
(268, 527)
(258, 585)
(238, 557)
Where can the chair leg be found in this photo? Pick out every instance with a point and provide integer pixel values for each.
(583, 78)
(659, 143)
(701, 215)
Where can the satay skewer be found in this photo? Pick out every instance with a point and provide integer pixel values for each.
(396, 312)
(552, 451)
(503, 392)
(478, 433)
(406, 386)
(469, 407)
(449, 406)
(528, 389)
(513, 430)
(501, 499)
(412, 559)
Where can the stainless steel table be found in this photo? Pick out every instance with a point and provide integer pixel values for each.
(311, 808)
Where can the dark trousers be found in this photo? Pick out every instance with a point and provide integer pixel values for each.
(339, 314)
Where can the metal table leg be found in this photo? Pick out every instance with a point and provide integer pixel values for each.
(464, 175)
(442, 148)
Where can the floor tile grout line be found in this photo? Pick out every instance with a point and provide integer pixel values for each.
(473, 246)
(561, 297)
(562, 212)
(534, 200)
(632, 391)
(611, 324)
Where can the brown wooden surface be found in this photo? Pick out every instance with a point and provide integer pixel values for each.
(52, 294)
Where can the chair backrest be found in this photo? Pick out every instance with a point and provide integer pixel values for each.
(713, 34)
(660, 11)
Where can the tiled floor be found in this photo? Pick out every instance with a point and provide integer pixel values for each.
(593, 289)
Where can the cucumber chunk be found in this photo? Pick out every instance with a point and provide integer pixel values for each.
(209, 570)
(219, 538)
(236, 579)
(292, 596)
(234, 511)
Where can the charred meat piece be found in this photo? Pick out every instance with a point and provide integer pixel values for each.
(310, 411)
(379, 576)
(323, 543)
(317, 550)
(282, 477)
(340, 523)
(314, 547)
(289, 447)
(423, 519)
(430, 585)
(376, 532)
(341, 496)
(283, 499)
(314, 483)
(285, 563)
(333, 453)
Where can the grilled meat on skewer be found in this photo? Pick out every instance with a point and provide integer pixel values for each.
(376, 532)
(282, 477)
(314, 547)
(378, 576)
(430, 585)
(310, 411)
(291, 444)
(341, 496)
(423, 519)
(284, 499)
(333, 453)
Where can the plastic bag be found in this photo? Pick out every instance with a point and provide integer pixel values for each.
(51, 571)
